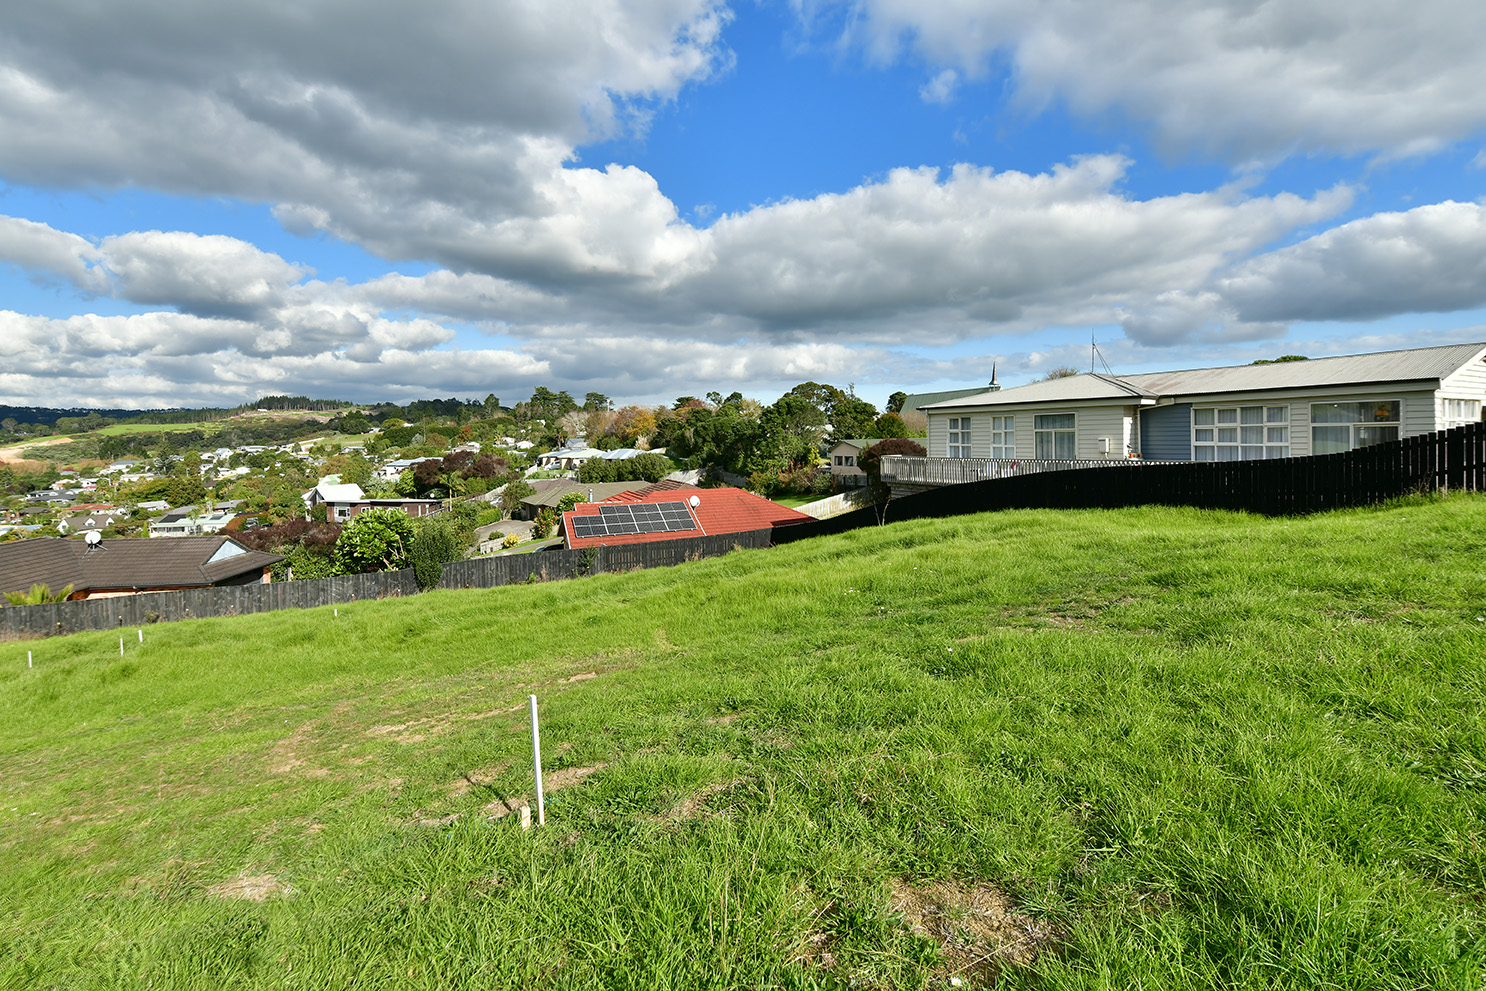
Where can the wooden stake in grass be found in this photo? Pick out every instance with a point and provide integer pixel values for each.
(28, 658)
(141, 636)
(536, 760)
(121, 646)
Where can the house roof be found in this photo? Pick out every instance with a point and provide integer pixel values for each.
(859, 443)
(921, 399)
(1412, 365)
(334, 492)
(599, 492)
(718, 511)
(122, 563)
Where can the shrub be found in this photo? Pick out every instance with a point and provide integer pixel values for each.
(511, 540)
(376, 540)
(435, 544)
(544, 523)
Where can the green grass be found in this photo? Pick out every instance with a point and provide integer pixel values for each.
(1194, 749)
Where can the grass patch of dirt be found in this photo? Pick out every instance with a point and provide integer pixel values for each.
(250, 888)
(977, 929)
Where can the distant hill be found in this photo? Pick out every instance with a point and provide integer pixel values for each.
(49, 416)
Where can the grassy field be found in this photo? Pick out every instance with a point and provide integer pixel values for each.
(1155, 749)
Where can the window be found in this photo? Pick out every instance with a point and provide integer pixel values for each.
(1240, 433)
(1337, 427)
(1052, 436)
(959, 436)
(1459, 412)
(1003, 436)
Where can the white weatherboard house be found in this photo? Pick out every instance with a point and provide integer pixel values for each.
(1277, 410)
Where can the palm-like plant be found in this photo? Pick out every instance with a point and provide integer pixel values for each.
(39, 594)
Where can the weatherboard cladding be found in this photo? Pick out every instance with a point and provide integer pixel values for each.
(1166, 432)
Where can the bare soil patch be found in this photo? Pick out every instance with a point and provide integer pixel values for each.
(250, 888)
(978, 930)
(17, 453)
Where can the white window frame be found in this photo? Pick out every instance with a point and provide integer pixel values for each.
(1459, 412)
(1240, 432)
(1052, 434)
(1357, 425)
(960, 434)
(1003, 437)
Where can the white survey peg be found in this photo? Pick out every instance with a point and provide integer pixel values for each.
(536, 760)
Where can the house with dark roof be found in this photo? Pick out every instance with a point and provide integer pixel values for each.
(672, 510)
(123, 566)
(1273, 410)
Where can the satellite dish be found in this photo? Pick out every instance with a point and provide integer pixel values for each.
(695, 501)
(92, 538)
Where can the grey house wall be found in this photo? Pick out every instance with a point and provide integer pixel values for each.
(1166, 432)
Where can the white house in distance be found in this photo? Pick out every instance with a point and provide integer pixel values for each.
(1276, 410)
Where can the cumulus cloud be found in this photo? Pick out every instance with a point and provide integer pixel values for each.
(1229, 77)
(44, 251)
(987, 247)
(211, 274)
(440, 133)
(1431, 259)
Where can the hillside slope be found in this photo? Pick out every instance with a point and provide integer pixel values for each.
(1159, 748)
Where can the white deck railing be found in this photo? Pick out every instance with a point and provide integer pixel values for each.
(898, 469)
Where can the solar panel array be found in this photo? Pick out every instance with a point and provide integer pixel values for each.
(645, 517)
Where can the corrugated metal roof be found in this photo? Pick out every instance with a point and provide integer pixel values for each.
(1412, 365)
(1070, 389)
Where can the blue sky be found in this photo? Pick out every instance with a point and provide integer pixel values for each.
(653, 198)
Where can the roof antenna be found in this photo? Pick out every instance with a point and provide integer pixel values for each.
(995, 386)
(1096, 355)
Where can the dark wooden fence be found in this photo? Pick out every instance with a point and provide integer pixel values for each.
(1446, 461)
(198, 603)
(490, 572)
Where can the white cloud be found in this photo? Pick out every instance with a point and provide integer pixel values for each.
(1229, 77)
(1431, 259)
(441, 132)
(940, 89)
(211, 274)
(45, 251)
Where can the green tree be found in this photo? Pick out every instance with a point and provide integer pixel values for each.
(595, 401)
(895, 402)
(516, 489)
(39, 594)
(376, 540)
(852, 417)
(435, 543)
(889, 425)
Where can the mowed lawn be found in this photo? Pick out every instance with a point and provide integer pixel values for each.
(1147, 748)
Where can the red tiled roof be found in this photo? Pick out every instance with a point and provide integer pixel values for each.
(718, 511)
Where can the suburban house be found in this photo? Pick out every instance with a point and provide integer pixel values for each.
(843, 461)
(192, 521)
(122, 566)
(672, 510)
(346, 502)
(548, 492)
(1273, 410)
(96, 520)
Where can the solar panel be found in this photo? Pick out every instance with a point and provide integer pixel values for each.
(658, 517)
